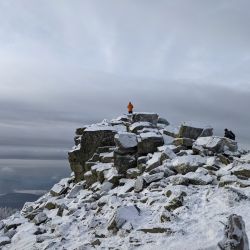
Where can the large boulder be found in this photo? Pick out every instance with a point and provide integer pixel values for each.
(148, 143)
(216, 144)
(91, 139)
(124, 162)
(185, 164)
(145, 117)
(235, 237)
(193, 132)
(198, 178)
(126, 142)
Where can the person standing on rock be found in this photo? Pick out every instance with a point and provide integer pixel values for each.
(130, 108)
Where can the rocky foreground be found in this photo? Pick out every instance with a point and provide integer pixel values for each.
(138, 183)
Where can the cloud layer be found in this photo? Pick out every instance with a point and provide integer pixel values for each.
(65, 63)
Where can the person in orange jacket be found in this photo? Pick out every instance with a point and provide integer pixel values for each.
(130, 108)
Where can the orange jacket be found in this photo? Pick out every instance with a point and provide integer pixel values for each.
(130, 107)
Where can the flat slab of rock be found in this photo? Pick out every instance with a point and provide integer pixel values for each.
(126, 140)
(40, 218)
(124, 162)
(135, 127)
(128, 186)
(123, 215)
(75, 190)
(57, 190)
(193, 132)
(133, 173)
(242, 170)
(187, 163)
(154, 162)
(198, 178)
(145, 117)
(216, 144)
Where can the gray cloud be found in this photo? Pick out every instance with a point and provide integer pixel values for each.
(65, 63)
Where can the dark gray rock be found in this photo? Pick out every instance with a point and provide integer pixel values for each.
(40, 218)
(90, 178)
(242, 170)
(138, 126)
(187, 131)
(145, 117)
(216, 144)
(156, 230)
(149, 142)
(235, 237)
(91, 139)
(124, 162)
(163, 121)
(4, 240)
(186, 142)
(189, 163)
(139, 184)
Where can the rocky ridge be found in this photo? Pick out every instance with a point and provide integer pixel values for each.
(137, 182)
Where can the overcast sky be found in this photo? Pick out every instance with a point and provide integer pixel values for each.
(67, 63)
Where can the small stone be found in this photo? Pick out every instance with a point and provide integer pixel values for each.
(139, 184)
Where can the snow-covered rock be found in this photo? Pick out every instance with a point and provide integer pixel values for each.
(126, 141)
(145, 117)
(4, 240)
(123, 215)
(193, 132)
(242, 170)
(189, 163)
(149, 142)
(235, 234)
(138, 190)
(216, 144)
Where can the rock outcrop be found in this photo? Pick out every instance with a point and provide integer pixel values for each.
(137, 183)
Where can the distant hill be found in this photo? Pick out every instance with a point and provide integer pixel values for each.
(16, 200)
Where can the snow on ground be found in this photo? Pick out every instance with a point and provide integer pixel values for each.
(174, 198)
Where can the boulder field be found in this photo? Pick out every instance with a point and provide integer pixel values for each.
(139, 183)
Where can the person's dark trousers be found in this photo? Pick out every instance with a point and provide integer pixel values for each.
(130, 112)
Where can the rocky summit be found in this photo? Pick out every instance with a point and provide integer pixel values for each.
(139, 183)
